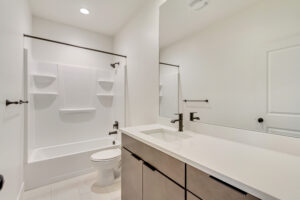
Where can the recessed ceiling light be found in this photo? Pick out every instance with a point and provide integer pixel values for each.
(84, 11)
(198, 4)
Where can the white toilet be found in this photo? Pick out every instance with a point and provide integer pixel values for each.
(107, 163)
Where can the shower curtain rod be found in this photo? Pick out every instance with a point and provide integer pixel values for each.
(72, 45)
(168, 64)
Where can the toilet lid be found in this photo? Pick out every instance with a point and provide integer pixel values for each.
(106, 154)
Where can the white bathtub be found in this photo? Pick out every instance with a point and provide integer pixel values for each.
(55, 163)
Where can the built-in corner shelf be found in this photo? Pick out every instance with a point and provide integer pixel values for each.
(105, 95)
(77, 110)
(43, 77)
(50, 94)
(103, 81)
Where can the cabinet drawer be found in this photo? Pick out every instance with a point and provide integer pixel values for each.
(210, 188)
(158, 187)
(166, 164)
(132, 177)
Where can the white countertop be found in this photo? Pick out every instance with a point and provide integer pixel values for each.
(261, 172)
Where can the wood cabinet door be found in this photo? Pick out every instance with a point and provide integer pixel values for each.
(158, 187)
(190, 196)
(166, 164)
(132, 177)
(211, 188)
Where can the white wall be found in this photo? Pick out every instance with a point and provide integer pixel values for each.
(69, 34)
(227, 62)
(47, 125)
(15, 19)
(139, 40)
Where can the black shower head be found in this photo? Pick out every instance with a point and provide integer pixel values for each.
(113, 65)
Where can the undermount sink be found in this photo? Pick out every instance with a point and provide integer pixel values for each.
(166, 135)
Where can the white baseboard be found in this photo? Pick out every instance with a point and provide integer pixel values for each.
(21, 192)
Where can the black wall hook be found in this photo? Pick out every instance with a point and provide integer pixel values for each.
(8, 102)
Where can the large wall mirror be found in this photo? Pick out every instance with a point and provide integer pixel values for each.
(239, 61)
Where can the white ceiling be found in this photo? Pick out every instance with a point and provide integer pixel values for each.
(178, 20)
(106, 17)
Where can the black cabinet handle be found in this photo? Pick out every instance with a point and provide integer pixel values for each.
(149, 166)
(136, 156)
(1, 182)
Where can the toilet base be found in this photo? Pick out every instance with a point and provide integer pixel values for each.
(105, 177)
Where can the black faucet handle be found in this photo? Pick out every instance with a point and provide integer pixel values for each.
(113, 133)
(116, 125)
(192, 116)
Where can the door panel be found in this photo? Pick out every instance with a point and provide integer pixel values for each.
(283, 111)
(158, 187)
(132, 176)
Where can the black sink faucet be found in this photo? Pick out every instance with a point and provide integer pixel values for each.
(179, 120)
(192, 117)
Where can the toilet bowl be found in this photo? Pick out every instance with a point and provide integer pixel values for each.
(107, 163)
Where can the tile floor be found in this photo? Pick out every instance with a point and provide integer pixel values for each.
(78, 188)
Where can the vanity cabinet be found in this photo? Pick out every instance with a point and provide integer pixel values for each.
(164, 163)
(149, 174)
(132, 171)
(156, 186)
(210, 188)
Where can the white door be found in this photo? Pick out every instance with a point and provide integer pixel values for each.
(11, 83)
(283, 104)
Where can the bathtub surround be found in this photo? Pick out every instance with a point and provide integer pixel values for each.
(75, 106)
(65, 55)
(75, 97)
